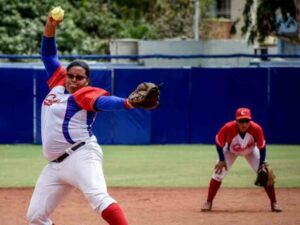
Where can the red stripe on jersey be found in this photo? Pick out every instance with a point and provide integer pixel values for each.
(85, 97)
(58, 77)
(127, 105)
(230, 130)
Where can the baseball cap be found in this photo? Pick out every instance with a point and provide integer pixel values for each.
(243, 113)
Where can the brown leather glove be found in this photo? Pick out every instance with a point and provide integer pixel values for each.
(145, 96)
(265, 176)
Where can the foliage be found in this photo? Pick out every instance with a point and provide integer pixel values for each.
(90, 24)
(267, 13)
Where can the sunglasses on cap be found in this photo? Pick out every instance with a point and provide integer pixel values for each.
(77, 77)
(243, 121)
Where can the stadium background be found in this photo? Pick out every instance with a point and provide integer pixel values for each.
(195, 102)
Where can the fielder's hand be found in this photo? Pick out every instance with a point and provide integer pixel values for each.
(265, 175)
(219, 167)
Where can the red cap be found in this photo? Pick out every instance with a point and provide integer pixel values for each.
(243, 113)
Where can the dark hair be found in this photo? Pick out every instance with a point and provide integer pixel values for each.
(82, 64)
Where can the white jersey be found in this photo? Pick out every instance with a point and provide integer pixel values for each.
(66, 118)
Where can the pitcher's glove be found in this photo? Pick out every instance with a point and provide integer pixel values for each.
(265, 176)
(145, 96)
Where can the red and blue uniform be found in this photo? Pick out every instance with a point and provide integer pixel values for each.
(67, 119)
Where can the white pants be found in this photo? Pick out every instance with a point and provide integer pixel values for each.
(82, 170)
(252, 158)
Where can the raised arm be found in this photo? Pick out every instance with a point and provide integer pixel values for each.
(48, 48)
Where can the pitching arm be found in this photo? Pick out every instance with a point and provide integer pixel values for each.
(48, 46)
(49, 55)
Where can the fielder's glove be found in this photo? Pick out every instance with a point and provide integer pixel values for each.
(265, 176)
(145, 96)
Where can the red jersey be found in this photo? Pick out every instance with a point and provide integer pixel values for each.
(229, 135)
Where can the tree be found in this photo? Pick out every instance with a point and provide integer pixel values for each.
(266, 18)
(89, 24)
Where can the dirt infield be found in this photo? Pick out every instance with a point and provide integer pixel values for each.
(153, 206)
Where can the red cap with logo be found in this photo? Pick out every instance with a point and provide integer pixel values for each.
(243, 113)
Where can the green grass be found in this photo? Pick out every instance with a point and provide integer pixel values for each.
(154, 166)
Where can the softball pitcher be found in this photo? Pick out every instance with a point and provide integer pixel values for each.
(75, 158)
(241, 137)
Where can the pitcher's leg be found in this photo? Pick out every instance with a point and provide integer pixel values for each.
(114, 215)
(90, 180)
(47, 194)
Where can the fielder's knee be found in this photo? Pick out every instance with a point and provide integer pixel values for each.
(217, 177)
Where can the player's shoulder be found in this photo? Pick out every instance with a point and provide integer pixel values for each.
(85, 97)
(230, 124)
(255, 129)
(229, 127)
(255, 125)
(58, 77)
(257, 132)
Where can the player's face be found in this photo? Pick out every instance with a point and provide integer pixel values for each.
(76, 79)
(243, 125)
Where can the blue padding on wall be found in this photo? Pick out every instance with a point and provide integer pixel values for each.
(195, 103)
(102, 125)
(167, 124)
(216, 93)
(41, 92)
(284, 107)
(170, 122)
(16, 121)
(130, 126)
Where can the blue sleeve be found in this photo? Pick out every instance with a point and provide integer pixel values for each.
(110, 103)
(49, 54)
(220, 153)
(262, 154)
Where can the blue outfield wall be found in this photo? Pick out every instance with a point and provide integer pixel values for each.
(16, 110)
(284, 105)
(216, 93)
(167, 124)
(195, 103)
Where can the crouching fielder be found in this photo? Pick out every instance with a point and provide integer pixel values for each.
(241, 137)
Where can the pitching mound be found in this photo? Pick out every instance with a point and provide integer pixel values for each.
(153, 206)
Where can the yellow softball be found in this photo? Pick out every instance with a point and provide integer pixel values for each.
(57, 13)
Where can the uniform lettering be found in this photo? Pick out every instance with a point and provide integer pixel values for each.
(50, 99)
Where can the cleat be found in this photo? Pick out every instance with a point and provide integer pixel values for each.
(275, 207)
(206, 207)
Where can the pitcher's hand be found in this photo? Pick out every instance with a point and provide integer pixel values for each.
(51, 21)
